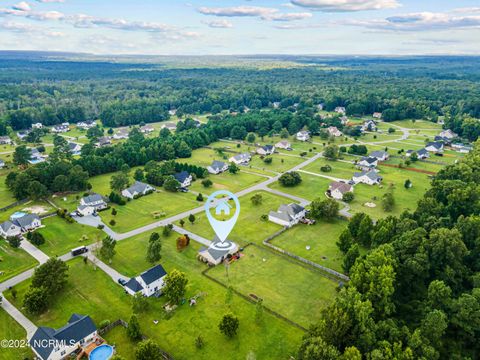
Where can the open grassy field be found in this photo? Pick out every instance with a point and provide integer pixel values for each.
(91, 292)
(286, 287)
(11, 330)
(321, 238)
(61, 236)
(13, 261)
(340, 169)
(280, 162)
(227, 181)
(417, 124)
(249, 227)
(312, 187)
(376, 136)
(6, 197)
(123, 345)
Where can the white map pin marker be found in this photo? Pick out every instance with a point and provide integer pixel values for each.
(221, 205)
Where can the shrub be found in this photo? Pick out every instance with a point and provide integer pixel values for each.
(14, 241)
(326, 168)
(112, 222)
(207, 183)
(199, 343)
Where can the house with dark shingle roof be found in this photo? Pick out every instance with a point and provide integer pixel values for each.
(94, 200)
(50, 344)
(137, 189)
(241, 159)
(266, 150)
(380, 155)
(421, 154)
(217, 167)
(217, 252)
(435, 147)
(337, 189)
(367, 177)
(8, 229)
(287, 215)
(74, 148)
(18, 225)
(367, 163)
(148, 283)
(5, 140)
(184, 178)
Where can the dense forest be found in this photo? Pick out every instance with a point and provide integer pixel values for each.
(49, 90)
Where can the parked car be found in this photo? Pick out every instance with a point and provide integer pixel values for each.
(184, 190)
(122, 282)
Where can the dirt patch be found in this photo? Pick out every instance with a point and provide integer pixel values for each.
(370, 205)
(37, 209)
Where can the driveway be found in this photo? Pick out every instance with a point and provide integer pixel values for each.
(29, 327)
(33, 251)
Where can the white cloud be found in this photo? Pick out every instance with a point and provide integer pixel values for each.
(254, 11)
(346, 5)
(289, 16)
(50, 1)
(22, 6)
(221, 24)
(423, 21)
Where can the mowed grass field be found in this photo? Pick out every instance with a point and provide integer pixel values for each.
(11, 330)
(249, 226)
(227, 181)
(13, 261)
(321, 239)
(286, 287)
(6, 197)
(92, 292)
(61, 236)
(312, 187)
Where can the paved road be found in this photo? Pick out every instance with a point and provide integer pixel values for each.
(16, 280)
(323, 176)
(29, 326)
(33, 251)
(114, 274)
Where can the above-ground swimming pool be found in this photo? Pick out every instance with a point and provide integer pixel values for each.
(103, 352)
(17, 215)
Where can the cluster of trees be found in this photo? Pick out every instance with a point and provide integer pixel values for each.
(290, 179)
(416, 292)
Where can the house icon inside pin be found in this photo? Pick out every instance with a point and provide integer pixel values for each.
(223, 207)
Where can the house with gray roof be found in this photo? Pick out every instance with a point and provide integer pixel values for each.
(217, 167)
(94, 200)
(147, 129)
(367, 163)
(367, 177)
(137, 189)
(287, 215)
(122, 133)
(266, 150)
(184, 178)
(434, 147)
(380, 155)
(149, 283)
(241, 159)
(18, 225)
(217, 252)
(421, 154)
(2, 164)
(8, 229)
(103, 141)
(54, 344)
(75, 149)
(63, 128)
(5, 140)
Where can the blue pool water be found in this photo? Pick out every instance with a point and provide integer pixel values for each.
(103, 352)
(17, 215)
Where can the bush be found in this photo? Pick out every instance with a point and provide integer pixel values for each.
(229, 325)
(200, 197)
(100, 226)
(36, 239)
(112, 222)
(199, 343)
(114, 211)
(207, 183)
(268, 160)
(326, 168)
(348, 197)
(290, 179)
(14, 241)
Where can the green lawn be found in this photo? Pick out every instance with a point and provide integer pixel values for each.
(123, 345)
(417, 124)
(373, 137)
(321, 238)
(61, 236)
(249, 227)
(6, 197)
(92, 292)
(311, 188)
(340, 169)
(27, 207)
(227, 181)
(11, 330)
(286, 287)
(13, 261)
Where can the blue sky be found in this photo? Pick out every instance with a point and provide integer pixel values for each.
(209, 27)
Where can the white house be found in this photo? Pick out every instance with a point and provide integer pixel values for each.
(86, 125)
(287, 215)
(461, 148)
(137, 189)
(217, 252)
(8, 229)
(23, 134)
(448, 134)
(367, 163)
(344, 120)
(84, 210)
(217, 167)
(283, 145)
(340, 110)
(367, 177)
(333, 131)
(37, 126)
(303, 135)
(147, 129)
(95, 200)
(184, 178)
(241, 159)
(121, 134)
(377, 115)
(18, 225)
(320, 107)
(170, 126)
(75, 149)
(172, 112)
(5, 140)
(337, 189)
(103, 141)
(421, 154)
(380, 155)
(2, 164)
(369, 125)
(63, 128)
(51, 344)
(148, 283)
(266, 150)
(434, 147)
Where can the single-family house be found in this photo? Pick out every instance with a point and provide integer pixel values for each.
(36, 157)
(367, 177)
(380, 155)
(103, 141)
(421, 154)
(340, 110)
(287, 215)
(303, 135)
(320, 107)
(266, 150)
(462, 148)
(367, 163)
(147, 129)
(276, 104)
(448, 134)
(121, 134)
(85, 210)
(172, 112)
(23, 134)
(434, 147)
(5, 140)
(2, 164)
(170, 126)
(149, 283)
(37, 126)
(369, 125)
(337, 189)
(94, 200)
(75, 149)
(137, 189)
(344, 120)
(18, 225)
(8, 229)
(241, 159)
(62, 128)
(377, 115)
(333, 131)
(217, 252)
(284, 144)
(217, 167)
(184, 178)
(85, 125)
(56, 344)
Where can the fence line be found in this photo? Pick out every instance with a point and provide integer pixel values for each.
(16, 203)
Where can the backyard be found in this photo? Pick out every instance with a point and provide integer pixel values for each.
(13, 261)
